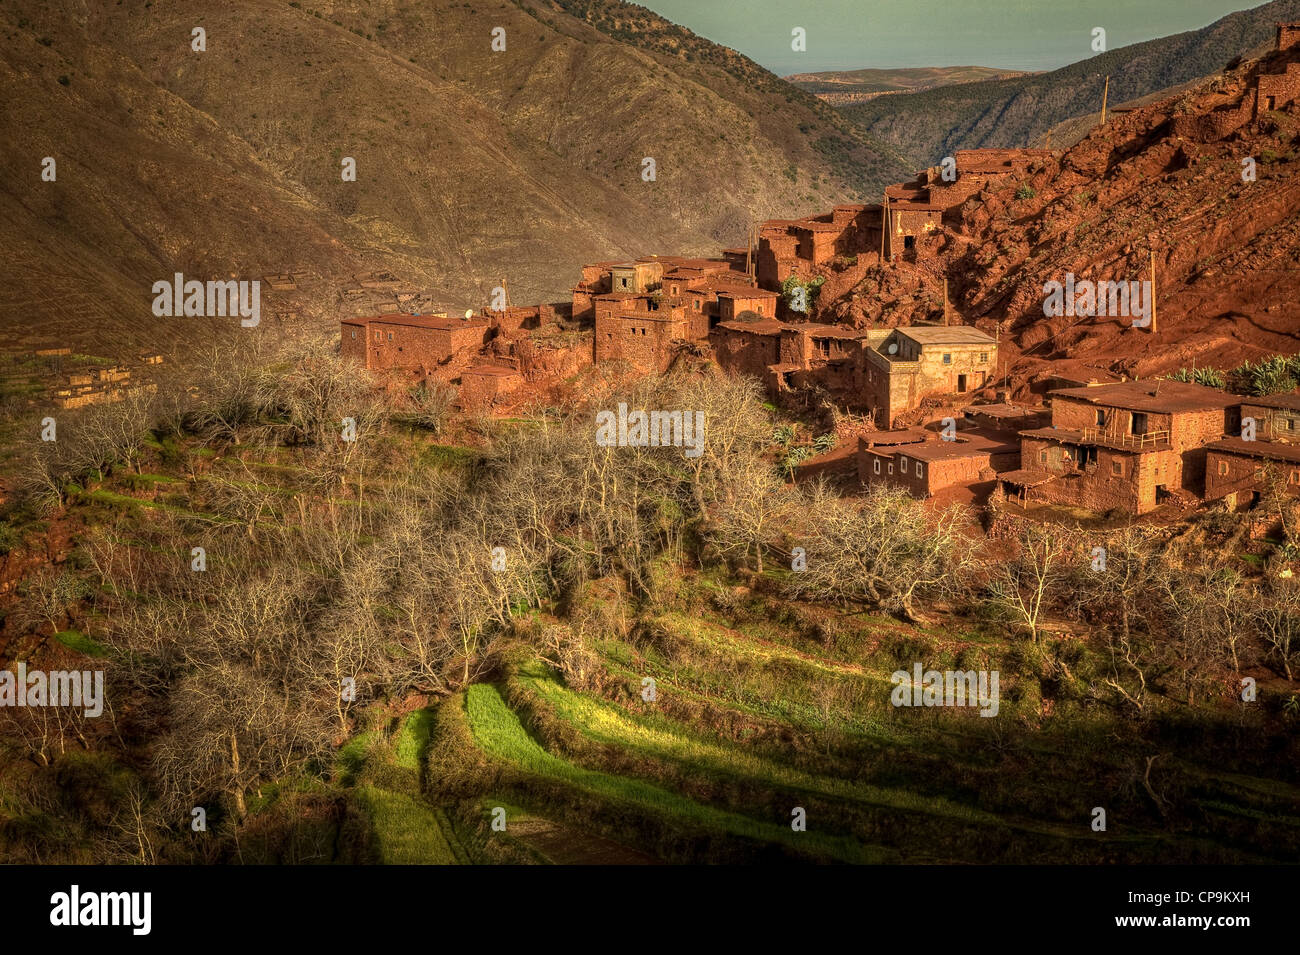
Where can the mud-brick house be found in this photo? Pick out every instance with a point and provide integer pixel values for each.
(743, 347)
(718, 298)
(924, 469)
(397, 341)
(805, 247)
(919, 360)
(643, 333)
(482, 385)
(1131, 445)
(634, 278)
(1239, 472)
(1277, 417)
(1005, 417)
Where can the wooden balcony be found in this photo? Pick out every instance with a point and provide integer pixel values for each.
(1119, 439)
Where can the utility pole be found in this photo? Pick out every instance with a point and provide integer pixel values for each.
(884, 226)
(1153, 291)
(1104, 94)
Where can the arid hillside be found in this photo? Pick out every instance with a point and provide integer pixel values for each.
(471, 165)
(1011, 113)
(1170, 179)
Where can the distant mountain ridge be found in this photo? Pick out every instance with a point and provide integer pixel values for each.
(928, 125)
(838, 87)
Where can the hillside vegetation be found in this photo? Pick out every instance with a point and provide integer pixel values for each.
(463, 641)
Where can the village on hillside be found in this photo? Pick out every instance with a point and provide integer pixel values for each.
(926, 405)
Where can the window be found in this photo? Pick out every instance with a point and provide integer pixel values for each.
(675, 289)
(354, 333)
(1101, 418)
(697, 305)
(920, 469)
(1223, 468)
(947, 359)
(624, 281)
(378, 337)
(902, 465)
(1293, 477)
(760, 309)
(891, 467)
(984, 358)
(1117, 467)
(877, 465)
(390, 336)
(1042, 456)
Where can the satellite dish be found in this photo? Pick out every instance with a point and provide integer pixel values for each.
(893, 348)
(469, 313)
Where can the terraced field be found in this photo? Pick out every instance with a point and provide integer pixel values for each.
(717, 763)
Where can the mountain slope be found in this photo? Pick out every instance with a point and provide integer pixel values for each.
(471, 164)
(932, 124)
(1163, 182)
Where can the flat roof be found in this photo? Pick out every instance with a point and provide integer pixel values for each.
(1160, 396)
(968, 444)
(439, 322)
(1027, 477)
(1272, 450)
(1289, 402)
(892, 438)
(1001, 410)
(734, 290)
(945, 335)
(766, 326)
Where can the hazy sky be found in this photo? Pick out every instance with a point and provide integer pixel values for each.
(1016, 34)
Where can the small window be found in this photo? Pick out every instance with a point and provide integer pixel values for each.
(760, 309)
(1223, 468)
(624, 281)
(1101, 418)
(354, 333)
(891, 467)
(920, 469)
(984, 358)
(378, 336)
(902, 465)
(674, 289)
(1117, 467)
(390, 336)
(697, 305)
(947, 359)
(1293, 477)
(877, 465)
(1042, 456)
